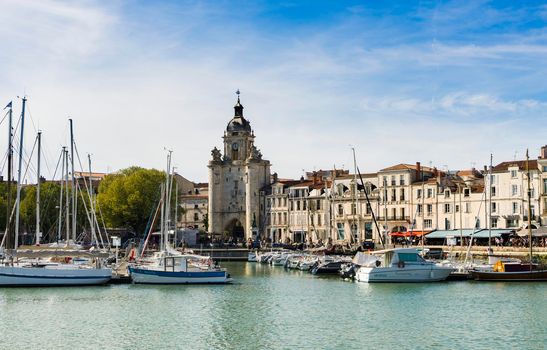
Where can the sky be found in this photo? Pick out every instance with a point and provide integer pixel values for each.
(445, 83)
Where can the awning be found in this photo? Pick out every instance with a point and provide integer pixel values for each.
(409, 234)
(493, 233)
(539, 232)
(442, 234)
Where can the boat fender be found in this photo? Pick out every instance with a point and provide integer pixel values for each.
(401, 264)
(132, 254)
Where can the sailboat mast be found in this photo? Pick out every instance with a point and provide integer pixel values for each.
(385, 208)
(167, 199)
(162, 222)
(176, 211)
(67, 202)
(38, 189)
(489, 223)
(529, 207)
(19, 172)
(73, 182)
(356, 194)
(10, 170)
(60, 221)
(91, 200)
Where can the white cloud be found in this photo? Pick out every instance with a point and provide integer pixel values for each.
(135, 85)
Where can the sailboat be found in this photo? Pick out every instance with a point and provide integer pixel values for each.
(169, 266)
(516, 271)
(17, 271)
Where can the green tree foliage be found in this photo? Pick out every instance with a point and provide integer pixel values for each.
(49, 210)
(128, 197)
(4, 202)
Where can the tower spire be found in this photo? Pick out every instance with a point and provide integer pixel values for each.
(238, 108)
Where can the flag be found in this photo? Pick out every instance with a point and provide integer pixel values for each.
(8, 105)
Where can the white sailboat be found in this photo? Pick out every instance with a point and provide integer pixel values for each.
(18, 272)
(169, 266)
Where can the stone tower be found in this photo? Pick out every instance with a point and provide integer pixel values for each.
(235, 179)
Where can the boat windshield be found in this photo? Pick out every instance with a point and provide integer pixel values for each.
(410, 257)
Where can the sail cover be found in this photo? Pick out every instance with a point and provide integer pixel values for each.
(363, 259)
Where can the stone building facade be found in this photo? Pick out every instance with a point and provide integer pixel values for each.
(236, 177)
(406, 199)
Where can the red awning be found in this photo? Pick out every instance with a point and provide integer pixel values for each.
(409, 234)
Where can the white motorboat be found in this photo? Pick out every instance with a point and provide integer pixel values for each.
(398, 265)
(307, 263)
(252, 257)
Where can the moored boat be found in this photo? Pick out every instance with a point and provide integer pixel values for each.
(400, 265)
(27, 275)
(182, 269)
(511, 272)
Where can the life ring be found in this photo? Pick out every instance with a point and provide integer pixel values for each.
(401, 264)
(67, 259)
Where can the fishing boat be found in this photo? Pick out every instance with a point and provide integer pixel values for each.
(516, 271)
(169, 266)
(22, 269)
(399, 265)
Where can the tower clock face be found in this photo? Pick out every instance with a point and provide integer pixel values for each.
(235, 146)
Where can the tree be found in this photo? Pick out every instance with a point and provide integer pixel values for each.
(49, 210)
(128, 197)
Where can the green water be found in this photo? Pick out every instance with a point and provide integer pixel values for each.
(270, 308)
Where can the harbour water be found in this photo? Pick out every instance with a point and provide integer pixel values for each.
(272, 308)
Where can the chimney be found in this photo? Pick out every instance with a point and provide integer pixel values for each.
(315, 178)
(274, 180)
(418, 171)
(543, 154)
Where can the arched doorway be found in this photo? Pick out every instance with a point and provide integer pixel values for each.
(235, 230)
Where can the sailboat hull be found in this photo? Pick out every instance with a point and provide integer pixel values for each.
(516, 276)
(17, 276)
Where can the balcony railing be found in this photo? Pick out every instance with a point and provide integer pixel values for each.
(394, 218)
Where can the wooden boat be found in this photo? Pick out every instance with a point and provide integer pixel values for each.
(504, 271)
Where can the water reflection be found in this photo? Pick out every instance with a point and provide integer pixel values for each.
(270, 307)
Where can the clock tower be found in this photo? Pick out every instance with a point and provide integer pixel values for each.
(235, 179)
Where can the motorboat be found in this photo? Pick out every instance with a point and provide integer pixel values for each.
(307, 263)
(328, 265)
(252, 257)
(398, 265)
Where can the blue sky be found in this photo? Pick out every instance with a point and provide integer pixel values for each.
(440, 82)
